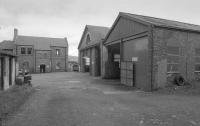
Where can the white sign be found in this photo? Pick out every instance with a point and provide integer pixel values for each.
(134, 59)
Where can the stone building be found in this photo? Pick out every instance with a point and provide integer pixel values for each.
(41, 54)
(7, 69)
(152, 51)
(90, 49)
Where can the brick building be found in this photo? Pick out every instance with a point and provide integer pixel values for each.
(152, 51)
(90, 49)
(41, 54)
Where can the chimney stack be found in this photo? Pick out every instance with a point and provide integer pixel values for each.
(15, 33)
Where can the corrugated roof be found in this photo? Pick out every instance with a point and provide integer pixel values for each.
(41, 43)
(163, 22)
(97, 33)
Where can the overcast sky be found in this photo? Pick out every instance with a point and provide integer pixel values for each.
(67, 18)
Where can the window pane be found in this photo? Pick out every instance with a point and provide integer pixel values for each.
(172, 59)
(173, 68)
(57, 52)
(197, 52)
(29, 50)
(173, 50)
(197, 67)
(23, 51)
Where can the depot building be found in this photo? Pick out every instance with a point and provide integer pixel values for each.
(148, 53)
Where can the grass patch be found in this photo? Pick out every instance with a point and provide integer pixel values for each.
(13, 98)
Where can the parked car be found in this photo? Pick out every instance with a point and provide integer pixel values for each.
(76, 68)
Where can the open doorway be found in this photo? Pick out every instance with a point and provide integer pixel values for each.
(42, 68)
(2, 74)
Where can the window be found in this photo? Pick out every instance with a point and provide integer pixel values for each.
(23, 50)
(29, 51)
(173, 59)
(197, 60)
(88, 39)
(57, 52)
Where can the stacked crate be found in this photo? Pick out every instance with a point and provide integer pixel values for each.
(127, 73)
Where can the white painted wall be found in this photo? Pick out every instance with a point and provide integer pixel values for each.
(6, 73)
(13, 71)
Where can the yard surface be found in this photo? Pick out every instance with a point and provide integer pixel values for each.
(76, 99)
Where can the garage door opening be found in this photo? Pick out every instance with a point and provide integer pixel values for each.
(113, 63)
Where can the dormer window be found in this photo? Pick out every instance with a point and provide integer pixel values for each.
(88, 39)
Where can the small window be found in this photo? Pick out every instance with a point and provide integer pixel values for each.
(29, 51)
(57, 52)
(197, 60)
(23, 50)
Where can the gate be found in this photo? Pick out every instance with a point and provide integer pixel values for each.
(128, 73)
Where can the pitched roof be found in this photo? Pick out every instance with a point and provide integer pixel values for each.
(6, 44)
(163, 22)
(97, 33)
(41, 43)
(7, 53)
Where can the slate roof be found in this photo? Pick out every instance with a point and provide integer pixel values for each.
(41, 43)
(163, 22)
(7, 45)
(97, 33)
(7, 53)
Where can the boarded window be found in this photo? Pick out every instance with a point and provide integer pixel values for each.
(23, 50)
(29, 51)
(173, 59)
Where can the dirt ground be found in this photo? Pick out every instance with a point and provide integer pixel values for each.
(76, 99)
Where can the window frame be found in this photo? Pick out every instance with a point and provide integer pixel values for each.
(29, 50)
(58, 53)
(23, 50)
(196, 63)
(178, 55)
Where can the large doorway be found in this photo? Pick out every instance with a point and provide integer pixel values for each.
(42, 68)
(10, 71)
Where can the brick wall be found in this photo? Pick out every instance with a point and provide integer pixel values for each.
(187, 41)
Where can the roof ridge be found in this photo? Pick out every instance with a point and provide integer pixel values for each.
(39, 37)
(97, 26)
(160, 18)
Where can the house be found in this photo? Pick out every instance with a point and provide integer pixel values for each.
(90, 49)
(41, 54)
(7, 69)
(152, 51)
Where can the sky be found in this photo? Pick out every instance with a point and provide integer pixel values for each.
(67, 18)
